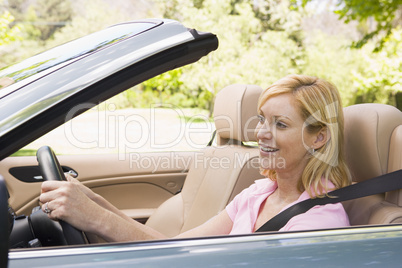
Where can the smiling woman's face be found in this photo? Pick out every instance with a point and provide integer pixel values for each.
(281, 136)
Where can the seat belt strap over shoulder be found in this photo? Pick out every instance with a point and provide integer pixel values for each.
(381, 184)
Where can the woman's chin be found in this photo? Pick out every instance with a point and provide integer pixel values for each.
(272, 163)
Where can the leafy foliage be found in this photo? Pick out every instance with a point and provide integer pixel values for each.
(260, 42)
(43, 17)
(249, 50)
(8, 33)
(385, 13)
(329, 57)
(382, 79)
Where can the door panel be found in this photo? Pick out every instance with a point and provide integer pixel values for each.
(137, 187)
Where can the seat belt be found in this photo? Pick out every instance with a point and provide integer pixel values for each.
(381, 184)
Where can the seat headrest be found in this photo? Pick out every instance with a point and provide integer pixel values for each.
(235, 113)
(368, 131)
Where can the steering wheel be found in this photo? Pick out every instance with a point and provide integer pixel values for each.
(51, 170)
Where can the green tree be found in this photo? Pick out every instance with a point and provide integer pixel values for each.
(42, 17)
(15, 7)
(249, 52)
(331, 58)
(386, 14)
(382, 80)
(51, 16)
(92, 16)
(8, 33)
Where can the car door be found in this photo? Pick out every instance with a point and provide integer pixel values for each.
(136, 191)
(135, 158)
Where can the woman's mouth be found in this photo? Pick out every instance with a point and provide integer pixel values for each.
(268, 149)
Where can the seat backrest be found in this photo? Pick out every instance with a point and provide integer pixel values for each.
(373, 146)
(218, 173)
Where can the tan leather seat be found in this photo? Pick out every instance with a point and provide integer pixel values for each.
(373, 146)
(220, 172)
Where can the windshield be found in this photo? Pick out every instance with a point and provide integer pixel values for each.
(59, 56)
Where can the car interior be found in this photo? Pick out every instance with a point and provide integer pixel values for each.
(373, 146)
(175, 199)
(210, 186)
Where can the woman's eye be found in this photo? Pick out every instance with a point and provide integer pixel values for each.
(279, 124)
(261, 119)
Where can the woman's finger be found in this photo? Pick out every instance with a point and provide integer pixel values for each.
(50, 185)
(68, 177)
(70, 174)
(46, 208)
(48, 196)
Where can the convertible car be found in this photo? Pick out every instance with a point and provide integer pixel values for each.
(167, 186)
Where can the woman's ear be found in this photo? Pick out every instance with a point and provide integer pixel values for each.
(321, 138)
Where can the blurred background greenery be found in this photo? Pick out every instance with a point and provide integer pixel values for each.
(355, 44)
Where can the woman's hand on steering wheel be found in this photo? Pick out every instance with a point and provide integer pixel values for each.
(55, 188)
(65, 200)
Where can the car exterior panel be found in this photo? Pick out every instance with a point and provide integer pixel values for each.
(354, 247)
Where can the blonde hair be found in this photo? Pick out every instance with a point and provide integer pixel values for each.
(320, 106)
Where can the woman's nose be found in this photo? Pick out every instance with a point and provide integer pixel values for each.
(263, 131)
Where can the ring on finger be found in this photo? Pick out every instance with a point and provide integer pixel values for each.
(47, 210)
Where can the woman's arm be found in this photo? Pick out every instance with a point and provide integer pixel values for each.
(78, 205)
(113, 228)
(98, 198)
(221, 224)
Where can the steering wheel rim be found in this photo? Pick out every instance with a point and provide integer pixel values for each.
(51, 170)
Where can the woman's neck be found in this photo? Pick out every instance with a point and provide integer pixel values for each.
(287, 187)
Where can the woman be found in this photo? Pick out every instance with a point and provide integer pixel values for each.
(300, 135)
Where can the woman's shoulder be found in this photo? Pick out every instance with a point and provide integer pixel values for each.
(319, 217)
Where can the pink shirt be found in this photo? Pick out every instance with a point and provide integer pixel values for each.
(244, 208)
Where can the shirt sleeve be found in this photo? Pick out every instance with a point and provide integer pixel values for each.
(319, 217)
